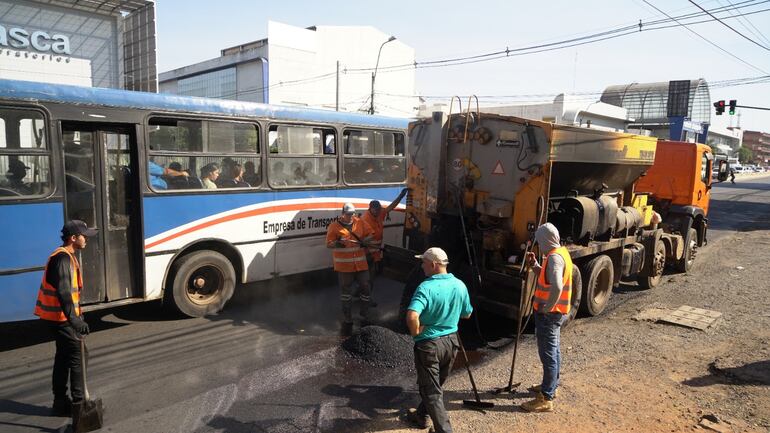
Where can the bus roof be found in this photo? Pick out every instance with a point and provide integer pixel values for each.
(97, 96)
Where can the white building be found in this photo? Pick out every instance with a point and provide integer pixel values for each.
(299, 66)
(564, 110)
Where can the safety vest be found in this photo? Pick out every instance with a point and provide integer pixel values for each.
(377, 224)
(352, 257)
(543, 289)
(48, 306)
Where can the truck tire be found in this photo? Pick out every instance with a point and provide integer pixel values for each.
(577, 294)
(597, 286)
(658, 265)
(688, 257)
(202, 282)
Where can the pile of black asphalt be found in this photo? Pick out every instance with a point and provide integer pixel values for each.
(380, 347)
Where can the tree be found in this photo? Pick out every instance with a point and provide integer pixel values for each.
(744, 154)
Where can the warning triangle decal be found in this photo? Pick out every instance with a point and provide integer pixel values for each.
(498, 168)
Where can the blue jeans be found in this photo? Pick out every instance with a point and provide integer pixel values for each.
(548, 333)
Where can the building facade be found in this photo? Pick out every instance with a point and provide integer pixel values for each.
(100, 43)
(725, 141)
(759, 144)
(327, 67)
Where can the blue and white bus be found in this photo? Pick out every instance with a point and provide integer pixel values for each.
(142, 168)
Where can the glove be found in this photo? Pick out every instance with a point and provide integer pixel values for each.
(339, 244)
(81, 327)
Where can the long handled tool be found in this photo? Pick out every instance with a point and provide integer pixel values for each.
(519, 328)
(477, 404)
(87, 415)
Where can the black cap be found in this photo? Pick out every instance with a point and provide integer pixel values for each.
(77, 227)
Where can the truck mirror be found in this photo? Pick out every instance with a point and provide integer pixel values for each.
(722, 174)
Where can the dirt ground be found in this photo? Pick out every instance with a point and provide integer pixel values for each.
(624, 373)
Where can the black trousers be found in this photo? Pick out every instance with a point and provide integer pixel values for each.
(433, 360)
(66, 364)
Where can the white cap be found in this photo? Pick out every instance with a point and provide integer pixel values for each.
(435, 255)
(348, 208)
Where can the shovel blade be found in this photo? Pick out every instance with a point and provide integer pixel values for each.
(87, 416)
(478, 404)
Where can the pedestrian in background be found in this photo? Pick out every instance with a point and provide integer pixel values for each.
(58, 303)
(348, 237)
(375, 216)
(551, 304)
(432, 317)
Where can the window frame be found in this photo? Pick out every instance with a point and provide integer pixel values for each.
(345, 156)
(47, 152)
(257, 155)
(323, 156)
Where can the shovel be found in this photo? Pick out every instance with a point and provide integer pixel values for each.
(476, 404)
(87, 415)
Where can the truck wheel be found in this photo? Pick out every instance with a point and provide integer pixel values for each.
(688, 257)
(203, 282)
(577, 294)
(658, 265)
(597, 288)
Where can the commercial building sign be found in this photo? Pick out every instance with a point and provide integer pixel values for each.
(39, 40)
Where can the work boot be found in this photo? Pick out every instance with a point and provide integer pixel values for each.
(417, 420)
(62, 407)
(539, 404)
(536, 389)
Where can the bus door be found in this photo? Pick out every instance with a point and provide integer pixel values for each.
(101, 188)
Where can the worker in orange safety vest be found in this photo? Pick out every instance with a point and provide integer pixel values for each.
(375, 216)
(551, 303)
(58, 303)
(348, 238)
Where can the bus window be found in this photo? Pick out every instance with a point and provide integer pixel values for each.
(301, 156)
(24, 154)
(212, 154)
(373, 157)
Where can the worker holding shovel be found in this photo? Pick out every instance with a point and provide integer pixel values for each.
(432, 317)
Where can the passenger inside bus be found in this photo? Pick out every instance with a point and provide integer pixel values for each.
(277, 175)
(233, 177)
(250, 176)
(17, 171)
(209, 175)
(158, 172)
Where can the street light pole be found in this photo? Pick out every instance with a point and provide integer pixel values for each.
(374, 74)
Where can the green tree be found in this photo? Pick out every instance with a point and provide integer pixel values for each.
(744, 154)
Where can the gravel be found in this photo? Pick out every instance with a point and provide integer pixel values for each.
(380, 347)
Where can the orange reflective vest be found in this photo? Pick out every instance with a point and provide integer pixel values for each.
(543, 288)
(377, 223)
(48, 306)
(351, 257)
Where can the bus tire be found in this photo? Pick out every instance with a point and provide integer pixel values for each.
(576, 295)
(203, 281)
(647, 282)
(597, 287)
(688, 257)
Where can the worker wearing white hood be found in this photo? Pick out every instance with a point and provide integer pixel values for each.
(551, 304)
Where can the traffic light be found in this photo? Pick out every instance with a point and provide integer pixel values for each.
(720, 106)
(733, 103)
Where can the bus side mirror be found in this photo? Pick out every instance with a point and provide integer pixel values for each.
(722, 174)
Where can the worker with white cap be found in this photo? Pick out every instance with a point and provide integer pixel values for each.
(348, 237)
(436, 307)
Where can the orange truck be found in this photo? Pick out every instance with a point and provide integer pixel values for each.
(480, 185)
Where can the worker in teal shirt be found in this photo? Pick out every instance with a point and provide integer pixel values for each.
(432, 318)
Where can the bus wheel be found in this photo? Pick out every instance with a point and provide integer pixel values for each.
(688, 257)
(658, 265)
(202, 282)
(575, 297)
(597, 287)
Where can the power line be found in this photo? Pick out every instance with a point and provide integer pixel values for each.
(708, 41)
(746, 23)
(730, 27)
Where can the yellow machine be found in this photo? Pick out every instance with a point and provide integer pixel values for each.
(482, 183)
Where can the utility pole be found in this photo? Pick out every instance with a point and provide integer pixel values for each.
(374, 74)
(337, 99)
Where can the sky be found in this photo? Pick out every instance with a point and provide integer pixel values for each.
(190, 31)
